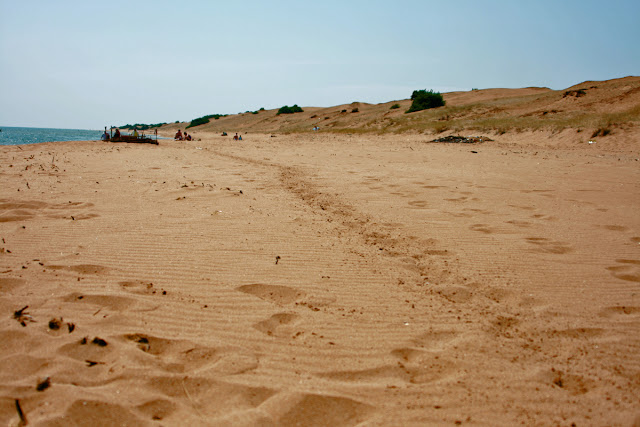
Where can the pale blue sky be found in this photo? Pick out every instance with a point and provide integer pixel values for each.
(86, 64)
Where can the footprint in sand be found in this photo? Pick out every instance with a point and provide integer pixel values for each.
(8, 284)
(110, 302)
(140, 287)
(15, 210)
(80, 269)
(19, 366)
(620, 310)
(157, 409)
(615, 227)
(455, 294)
(436, 339)
(209, 397)
(519, 223)
(544, 217)
(544, 245)
(459, 199)
(277, 324)
(483, 228)
(573, 384)
(576, 333)
(627, 269)
(89, 412)
(181, 356)
(94, 349)
(418, 204)
(297, 409)
(277, 294)
(419, 367)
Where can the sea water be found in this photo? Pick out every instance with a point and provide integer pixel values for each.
(20, 136)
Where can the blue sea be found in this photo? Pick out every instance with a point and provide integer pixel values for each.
(20, 136)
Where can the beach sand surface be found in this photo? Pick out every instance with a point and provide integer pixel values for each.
(320, 279)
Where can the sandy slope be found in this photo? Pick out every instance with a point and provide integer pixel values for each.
(586, 108)
(320, 280)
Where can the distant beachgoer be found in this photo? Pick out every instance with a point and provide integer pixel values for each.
(135, 132)
(240, 138)
(187, 137)
(235, 137)
(178, 136)
(105, 136)
(117, 133)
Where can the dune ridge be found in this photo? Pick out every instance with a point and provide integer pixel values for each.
(581, 110)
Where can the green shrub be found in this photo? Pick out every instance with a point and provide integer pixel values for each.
(197, 122)
(343, 111)
(289, 110)
(423, 100)
(394, 106)
(355, 110)
(142, 126)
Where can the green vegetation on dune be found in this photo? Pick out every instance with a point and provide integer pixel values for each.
(142, 126)
(204, 120)
(424, 99)
(289, 110)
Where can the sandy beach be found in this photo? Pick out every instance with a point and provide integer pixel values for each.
(320, 279)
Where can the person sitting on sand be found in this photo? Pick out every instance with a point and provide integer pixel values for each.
(105, 136)
(240, 138)
(187, 137)
(117, 133)
(235, 137)
(178, 136)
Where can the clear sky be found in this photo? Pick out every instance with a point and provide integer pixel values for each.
(89, 64)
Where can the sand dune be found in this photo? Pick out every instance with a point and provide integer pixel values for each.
(578, 111)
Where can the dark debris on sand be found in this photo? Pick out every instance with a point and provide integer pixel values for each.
(462, 139)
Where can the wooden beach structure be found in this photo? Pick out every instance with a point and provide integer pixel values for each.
(139, 139)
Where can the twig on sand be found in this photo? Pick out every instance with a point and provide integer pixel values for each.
(22, 316)
(193, 403)
(23, 418)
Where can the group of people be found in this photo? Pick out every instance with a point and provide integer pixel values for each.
(182, 137)
(186, 137)
(107, 137)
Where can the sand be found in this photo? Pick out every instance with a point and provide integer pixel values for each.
(320, 280)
